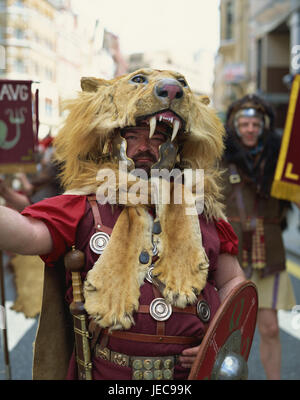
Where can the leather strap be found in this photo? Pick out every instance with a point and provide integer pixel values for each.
(141, 337)
(144, 309)
(160, 325)
(99, 226)
(247, 231)
(238, 196)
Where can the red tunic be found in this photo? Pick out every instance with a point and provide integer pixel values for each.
(70, 221)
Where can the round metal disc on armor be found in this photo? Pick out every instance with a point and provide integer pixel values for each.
(203, 311)
(160, 310)
(99, 241)
(149, 274)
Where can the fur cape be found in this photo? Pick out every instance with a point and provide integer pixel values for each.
(82, 146)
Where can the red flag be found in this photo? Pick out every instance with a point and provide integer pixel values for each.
(286, 184)
(17, 141)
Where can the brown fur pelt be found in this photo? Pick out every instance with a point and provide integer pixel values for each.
(29, 277)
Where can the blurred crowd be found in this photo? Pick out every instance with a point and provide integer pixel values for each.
(20, 190)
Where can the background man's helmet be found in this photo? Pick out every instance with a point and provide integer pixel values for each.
(250, 106)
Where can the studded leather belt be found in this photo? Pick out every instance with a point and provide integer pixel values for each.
(143, 368)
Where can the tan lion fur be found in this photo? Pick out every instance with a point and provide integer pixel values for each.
(182, 266)
(112, 285)
(94, 115)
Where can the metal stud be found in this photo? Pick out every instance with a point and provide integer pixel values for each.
(203, 311)
(98, 242)
(167, 373)
(144, 257)
(160, 310)
(158, 374)
(168, 363)
(148, 375)
(137, 364)
(157, 364)
(148, 364)
(156, 228)
(138, 375)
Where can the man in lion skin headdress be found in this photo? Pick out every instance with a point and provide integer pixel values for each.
(148, 264)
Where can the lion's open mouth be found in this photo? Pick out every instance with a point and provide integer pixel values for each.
(167, 117)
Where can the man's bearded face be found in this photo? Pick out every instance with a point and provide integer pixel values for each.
(144, 151)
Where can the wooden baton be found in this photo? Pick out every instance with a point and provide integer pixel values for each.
(74, 262)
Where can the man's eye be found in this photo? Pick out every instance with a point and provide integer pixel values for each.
(139, 79)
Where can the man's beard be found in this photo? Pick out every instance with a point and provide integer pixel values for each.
(141, 164)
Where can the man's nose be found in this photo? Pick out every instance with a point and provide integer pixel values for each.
(144, 144)
(251, 128)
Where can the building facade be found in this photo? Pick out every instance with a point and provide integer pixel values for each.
(258, 50)
(28, 38)
(47, 42)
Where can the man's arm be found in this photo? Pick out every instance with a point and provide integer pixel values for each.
(23, 235)
(228, 275)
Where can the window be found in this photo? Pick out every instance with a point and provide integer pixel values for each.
(2, 57)
(19, 66)
(259, 63)
(48, 107)
(19, 3)
(229, 20)
(19, 33)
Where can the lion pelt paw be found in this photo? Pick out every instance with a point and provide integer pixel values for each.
(109, 309)
(181, 299)
(114, 322)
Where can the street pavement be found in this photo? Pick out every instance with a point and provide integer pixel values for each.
(21, 331)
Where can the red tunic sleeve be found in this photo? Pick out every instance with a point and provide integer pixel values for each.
(228, 239)
(61, 214)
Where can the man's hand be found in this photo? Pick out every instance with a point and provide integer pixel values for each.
(229, 274)
(12, 198)
(188, 356)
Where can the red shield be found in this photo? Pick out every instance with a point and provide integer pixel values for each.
(236, 315)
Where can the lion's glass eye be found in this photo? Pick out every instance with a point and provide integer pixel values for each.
(139, 79)
(183, 82)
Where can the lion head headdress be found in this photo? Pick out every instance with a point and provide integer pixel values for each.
(91, 140)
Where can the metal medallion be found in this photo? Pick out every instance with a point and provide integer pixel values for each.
(203, 311)
(149, 274)
(99, 241)
(160, 310)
